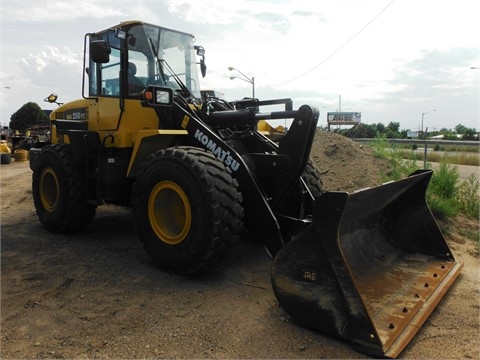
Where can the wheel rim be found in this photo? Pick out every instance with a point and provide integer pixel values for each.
(49, 189)
(169, 212)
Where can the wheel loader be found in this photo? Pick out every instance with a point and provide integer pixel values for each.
(368, 267)
(5, 153)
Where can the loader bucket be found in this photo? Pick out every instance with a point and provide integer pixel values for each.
(370, 268)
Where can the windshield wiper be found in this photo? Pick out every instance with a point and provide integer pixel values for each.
(180, 83)
(157, 61)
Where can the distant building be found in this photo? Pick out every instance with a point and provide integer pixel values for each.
(4, 132)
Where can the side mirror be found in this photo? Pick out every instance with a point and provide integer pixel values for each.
(99, 51)
(203, 67)
(201, 52)
(157, 96)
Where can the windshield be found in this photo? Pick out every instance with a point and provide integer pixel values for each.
(149, 47)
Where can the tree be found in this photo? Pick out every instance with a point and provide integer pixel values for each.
(360, 131)
(466, 133)
(460, 129)
(470, 134)
(380, 128)
(27, 116)
(404, 134)
(448, 134)
(393, 126)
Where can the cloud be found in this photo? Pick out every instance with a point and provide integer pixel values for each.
(436, 79)
(309, 14)
(413, 57)
(63, 11)
(50, 57)
(32, 63)
(437, 72)
(51, 70)
(212, 12)
(50, 60)
(247, 17)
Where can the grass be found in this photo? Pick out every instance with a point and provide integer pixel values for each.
(452, 154)
(447, 196)
(458, 158)
(468, 196)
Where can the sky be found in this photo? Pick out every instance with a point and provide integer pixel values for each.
(391, 60)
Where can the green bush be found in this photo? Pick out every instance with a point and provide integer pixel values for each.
(444, 180)
(442, 207)
(380, 146)
(442, 191)
(446, 195)
(468, 197)
(400, 162)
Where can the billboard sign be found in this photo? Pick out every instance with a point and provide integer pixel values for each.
(347, 118)
(413, 134)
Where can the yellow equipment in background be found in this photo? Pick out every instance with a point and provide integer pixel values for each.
(5, 152)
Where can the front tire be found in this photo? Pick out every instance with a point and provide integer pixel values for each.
(312, 179)
(187, 209)
(59, 191)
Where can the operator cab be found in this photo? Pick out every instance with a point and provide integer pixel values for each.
(124, 60)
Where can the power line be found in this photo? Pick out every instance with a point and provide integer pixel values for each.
(340, 47)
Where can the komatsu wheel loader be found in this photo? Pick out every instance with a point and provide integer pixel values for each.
(368, 267)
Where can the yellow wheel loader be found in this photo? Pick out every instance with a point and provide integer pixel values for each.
(5, 152)
(368, 267)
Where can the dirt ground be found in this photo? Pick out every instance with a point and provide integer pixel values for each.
(97, 294)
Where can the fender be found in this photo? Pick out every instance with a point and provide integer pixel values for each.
(147, 142)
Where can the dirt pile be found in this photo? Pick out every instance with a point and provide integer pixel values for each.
(344, 164)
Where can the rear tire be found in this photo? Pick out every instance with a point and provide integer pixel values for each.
(59, 191)
(5, 158)
(186, 208)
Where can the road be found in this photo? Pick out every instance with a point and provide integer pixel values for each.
(464, 170)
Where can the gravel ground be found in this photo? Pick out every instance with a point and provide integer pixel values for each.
(97, 294)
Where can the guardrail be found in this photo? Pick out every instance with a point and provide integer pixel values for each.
(427, 141)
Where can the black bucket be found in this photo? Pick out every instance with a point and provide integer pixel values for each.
(370, 269)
